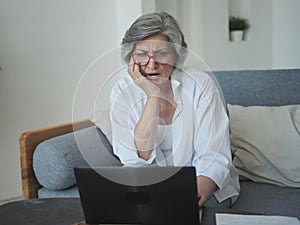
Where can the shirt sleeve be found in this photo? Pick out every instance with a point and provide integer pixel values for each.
(124, 115)
(212, 156)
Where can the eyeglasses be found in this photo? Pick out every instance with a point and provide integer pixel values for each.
(161, 57)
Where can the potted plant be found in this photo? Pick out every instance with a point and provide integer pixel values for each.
(237, 28)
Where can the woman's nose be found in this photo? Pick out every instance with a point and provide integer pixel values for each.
(152, 63)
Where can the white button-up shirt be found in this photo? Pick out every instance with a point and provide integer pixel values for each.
(199, 128)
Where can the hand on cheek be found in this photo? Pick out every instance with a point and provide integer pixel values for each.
(150, 89)
(133, 70)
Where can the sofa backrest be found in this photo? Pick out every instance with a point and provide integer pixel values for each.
(260, 87)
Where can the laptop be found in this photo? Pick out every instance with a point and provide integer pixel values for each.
(139, 195)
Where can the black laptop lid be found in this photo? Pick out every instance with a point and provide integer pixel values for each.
(106, 198)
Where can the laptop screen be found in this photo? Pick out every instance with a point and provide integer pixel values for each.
(138, 195)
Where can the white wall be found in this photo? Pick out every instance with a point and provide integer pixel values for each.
(206, 27)
(286, 34)
(45, 46)
(169, 6)
(272, 41)
(126, 13)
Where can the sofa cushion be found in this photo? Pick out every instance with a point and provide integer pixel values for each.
(269, 199)
(54, 159)
(102, 120)
(260, 87)
(265, 143)
(71, 192)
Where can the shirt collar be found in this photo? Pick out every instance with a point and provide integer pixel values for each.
(176, 82)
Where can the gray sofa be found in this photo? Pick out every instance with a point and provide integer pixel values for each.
(54, 159)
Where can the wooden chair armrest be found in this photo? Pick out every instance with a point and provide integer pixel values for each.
(28, 142)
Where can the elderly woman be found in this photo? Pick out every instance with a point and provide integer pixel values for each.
(162, 115)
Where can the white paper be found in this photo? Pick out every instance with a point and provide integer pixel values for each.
(200, 214)
(239, 219)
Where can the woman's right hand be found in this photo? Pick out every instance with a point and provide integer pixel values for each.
(150, 89)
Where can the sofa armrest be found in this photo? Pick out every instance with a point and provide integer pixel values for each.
(28, 142)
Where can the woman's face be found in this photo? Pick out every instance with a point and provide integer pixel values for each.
(155, 58)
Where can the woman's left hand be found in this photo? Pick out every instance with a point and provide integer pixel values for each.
(206, 187)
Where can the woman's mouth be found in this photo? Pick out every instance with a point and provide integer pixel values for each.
(152, 76)
(148, 74)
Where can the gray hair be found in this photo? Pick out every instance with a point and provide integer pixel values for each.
(154, 24)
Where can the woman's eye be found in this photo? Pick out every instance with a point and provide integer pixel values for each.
(142, 55)
(162, 54)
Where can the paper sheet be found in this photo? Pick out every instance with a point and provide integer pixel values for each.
(239, 219)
